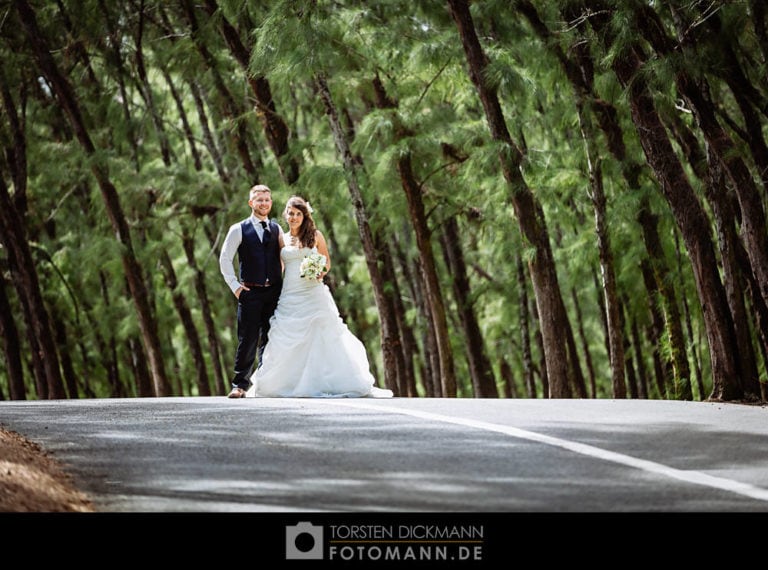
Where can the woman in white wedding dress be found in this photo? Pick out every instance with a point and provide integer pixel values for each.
(311, 353)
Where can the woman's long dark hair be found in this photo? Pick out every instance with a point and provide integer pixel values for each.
(307, 228)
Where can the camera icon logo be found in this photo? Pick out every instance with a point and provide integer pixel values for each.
(304, 541)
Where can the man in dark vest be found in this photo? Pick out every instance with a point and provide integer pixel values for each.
(257, 242)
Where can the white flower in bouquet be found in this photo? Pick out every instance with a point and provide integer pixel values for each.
(312, 266)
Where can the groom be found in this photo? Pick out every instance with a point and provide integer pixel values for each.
(257, 242)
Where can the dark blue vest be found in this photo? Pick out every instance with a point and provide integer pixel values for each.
(259, 261)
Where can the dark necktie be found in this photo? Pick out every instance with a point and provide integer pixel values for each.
(266, 235)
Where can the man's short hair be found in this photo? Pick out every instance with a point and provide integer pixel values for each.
(259, 188)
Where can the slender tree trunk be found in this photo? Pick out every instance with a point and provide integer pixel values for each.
(638, 349)
(410, 348)
(411, 351)
(530, 215)
(508, 377)
(607, 271)
(11, 347)
(429, 338)
(584, 344)
(197, 95)
(663, 369)
(631, 374)
(390, 342)
(681, 372)
(431, 279)
(480, 369)
(68, 370)
(138, 364)
(525, 335)
(759, 309)
(207, 313)
(416, 209)
(697, 373)
(188, 324)
(413, 277)
(545, 391)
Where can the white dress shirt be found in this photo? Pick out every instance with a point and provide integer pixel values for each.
(230, 247)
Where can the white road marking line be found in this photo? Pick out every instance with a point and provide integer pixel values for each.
(695, 477)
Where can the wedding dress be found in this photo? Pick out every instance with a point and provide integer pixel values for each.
(311, 353)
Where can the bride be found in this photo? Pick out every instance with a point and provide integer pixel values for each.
(311, 353)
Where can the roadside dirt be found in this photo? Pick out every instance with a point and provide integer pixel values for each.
(32, 481)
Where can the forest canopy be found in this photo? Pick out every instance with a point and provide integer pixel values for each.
(523, 199)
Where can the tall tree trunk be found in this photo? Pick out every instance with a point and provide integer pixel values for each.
(410, 348)
(114, 211)
(67, 368)
(11, 347)
(584, 344)
(390, 342)
(631, 375)
(530, 215)
(525, 335)
(417, 212)
(431, 370)
(662, 367)
(137, 362)
(207, 313)
(108, 352)
(420, 357)
(545, 391)
(681, 371)
(188, 324)
(508, 377)
(431, 279)
(638, 349)
(697, 374)
(607, 270)
(480, 369)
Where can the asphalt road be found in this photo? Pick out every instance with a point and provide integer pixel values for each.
(215, 455)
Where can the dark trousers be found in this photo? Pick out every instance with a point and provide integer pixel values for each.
(254, 309)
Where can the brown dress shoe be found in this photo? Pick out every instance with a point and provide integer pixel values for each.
(237, 393)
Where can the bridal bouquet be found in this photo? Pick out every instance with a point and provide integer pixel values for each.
(312, 266)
